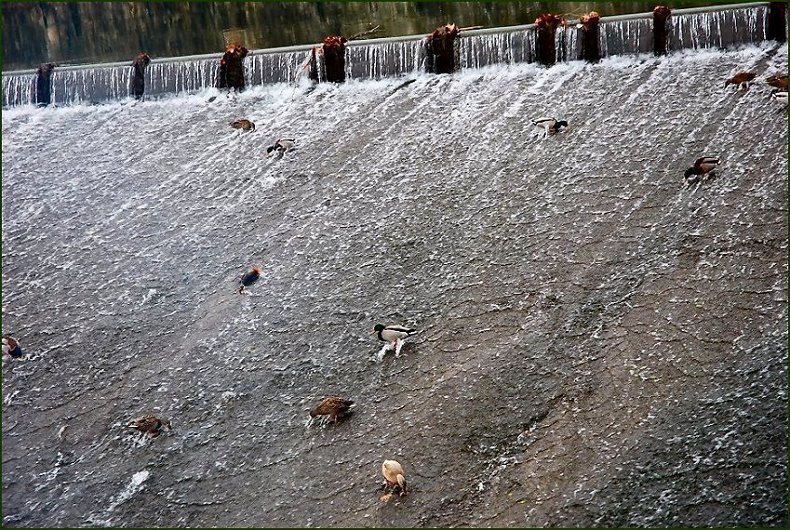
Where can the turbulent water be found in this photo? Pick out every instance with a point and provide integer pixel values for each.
(377, 58)
(600, 345)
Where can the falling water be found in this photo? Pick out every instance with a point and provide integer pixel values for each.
(379, 58)
(626, 37)
(719, 29)
(498, 48)
(278, 67)
(566, 42)
(600, 345)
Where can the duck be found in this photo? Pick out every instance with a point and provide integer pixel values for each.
(779, 95)
(333, 406)
(394, 477)
(149, 424)
(243, 124)
(394, 334)
(248, 278)
(778, 81)
(741, 78)
(11, 347)
(548, 125)
(704, 167)
(281, 146)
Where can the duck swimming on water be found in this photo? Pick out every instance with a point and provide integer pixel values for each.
(741, 79)
(547, 125)
(703, 167)
(11, 347)
(394, 476)
(248, 278)
(333, 406)
(394, 334)
(243, 124)
(281, 146)
(778, 81)
(149, 424)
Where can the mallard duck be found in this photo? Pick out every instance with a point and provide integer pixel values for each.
(393, 334)
(248, 278)
(546, 125)
(333, 406)
(394, 476)
(149, 424)
(243, 124)
(741, 78)
(779, 95)
(778, 81)
(11, 346)
(704, 167)
(281, 146)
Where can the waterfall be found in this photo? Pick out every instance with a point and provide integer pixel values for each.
(376, 58)
(718, 29)
(621, 37)
(274, 67)
(498, 48)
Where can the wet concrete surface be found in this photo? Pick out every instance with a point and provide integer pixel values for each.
(600, 345)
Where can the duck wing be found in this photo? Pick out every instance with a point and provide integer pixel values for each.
(331, 405)
(395, 332)
(544, 121)
(706, 160)
(144, 423)
(404, 329)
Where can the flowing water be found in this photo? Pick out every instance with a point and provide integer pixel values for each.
(600, 345)
(378, 59)
(96, 32)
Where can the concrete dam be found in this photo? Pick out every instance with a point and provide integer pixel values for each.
(600, 343)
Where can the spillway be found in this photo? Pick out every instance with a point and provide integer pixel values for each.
(697, 28)
(600, 344)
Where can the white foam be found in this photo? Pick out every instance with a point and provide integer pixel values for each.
(134, 486)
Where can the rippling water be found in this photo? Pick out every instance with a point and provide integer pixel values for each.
(599, 344)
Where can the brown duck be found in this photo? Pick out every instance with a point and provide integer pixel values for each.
(149, 424)
(333, 406)
(11, 346)
(243, 124)
(741, 78)
(778, 81)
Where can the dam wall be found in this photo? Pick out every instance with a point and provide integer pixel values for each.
(698, 28)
